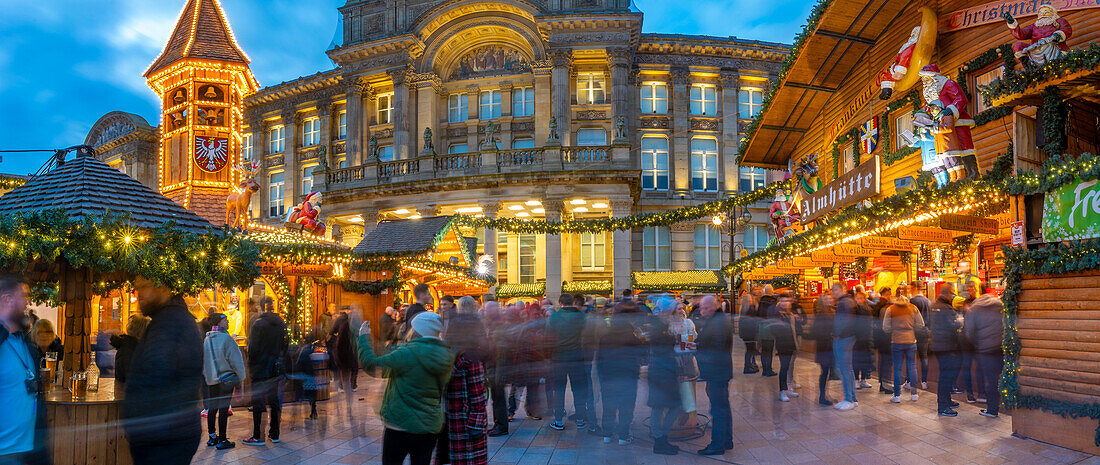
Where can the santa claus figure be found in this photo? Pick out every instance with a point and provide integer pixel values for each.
(307, 214)
(1046, 39)
(946, 103)
(899, 67)
(784, 214)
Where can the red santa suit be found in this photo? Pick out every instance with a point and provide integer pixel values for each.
(783, 214)
(1046, 38)
(953, 141)
(307, 214)
(900, 66)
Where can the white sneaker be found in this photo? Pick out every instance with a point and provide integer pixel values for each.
(844, 405)
(924, 384)
(895, 399)
(863, 384)
(913, 397)
(783, 396)
(791, 394)
(905, 386)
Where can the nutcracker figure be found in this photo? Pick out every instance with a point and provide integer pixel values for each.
(1046, 38)
(901, 63)
(307, 215)
(946, 103)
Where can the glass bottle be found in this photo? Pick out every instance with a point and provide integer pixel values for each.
(93, 375)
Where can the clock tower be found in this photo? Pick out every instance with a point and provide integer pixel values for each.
(201, 77)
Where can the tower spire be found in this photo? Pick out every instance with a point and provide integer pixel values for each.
(203, 33)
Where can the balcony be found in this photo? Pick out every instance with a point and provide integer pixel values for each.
(441, 167)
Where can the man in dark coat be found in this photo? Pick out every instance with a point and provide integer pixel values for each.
(984, 326)
(565, 329)
(764, 307)
(747, 326)
(161, 408)
(23, 435)
(267, 351)
(423, 295)
(945, 326)
(715, 358)
(342, 352)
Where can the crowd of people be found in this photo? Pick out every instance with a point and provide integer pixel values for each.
(449, 367)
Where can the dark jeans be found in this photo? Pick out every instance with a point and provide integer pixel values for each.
(574, 372)
(721, 433)
(218, 411)
(885, 367)
(750, 355)
(266, 393)
(531, 402)
(949, 369)
(619, 389)
(500, 402)
(922, 353)
(767, 346)
(970, 379)
(904, 354)
(990, 366)
(396, 445)
(823, 380)
(164, 453)
(784, 368)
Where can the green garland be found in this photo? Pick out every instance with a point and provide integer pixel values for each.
(690, 281)
(841, 140)
(962, 244)
(184, 262)
(1003, 52)
(372, 287)
(826, 271)
(1016, 82)
(1053, 259)
(1055, 172)
(1054, 113)
(8, 183)
(913, 99)
(665, 218)
(789, 281)
(899, 155)
(992, 114)
(509, 290)
(603, 286)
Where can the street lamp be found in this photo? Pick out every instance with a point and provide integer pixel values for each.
(737, 217)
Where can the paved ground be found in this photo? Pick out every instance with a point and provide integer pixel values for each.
(766, 431)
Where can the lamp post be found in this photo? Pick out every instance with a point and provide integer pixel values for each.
(737, 217)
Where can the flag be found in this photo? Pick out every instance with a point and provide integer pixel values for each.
(868, 135)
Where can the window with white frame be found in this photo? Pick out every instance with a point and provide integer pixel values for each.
(489, 107)
(276, 139)
(246, 146)
(656, 249)
(704, 164)
(654, 97)
(311, 131)
(592, 251)
(307, 178)
(384, 103)
(654, 163)
(708, 247)
(750, 178)
(385, 153)
(458, 108)
(590, 88)
(458, 148)
(847, 158)
(523, 143)
(704, 99)
(756, 237)
(749, 101)
(342, 125)
(527, 248)
(523, 101)
(275, 194)
(591, 136)
(903, 123)
(984, 79)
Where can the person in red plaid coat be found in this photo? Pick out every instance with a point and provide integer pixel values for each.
(464, 439)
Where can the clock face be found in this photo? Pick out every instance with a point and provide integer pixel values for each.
(211, 153)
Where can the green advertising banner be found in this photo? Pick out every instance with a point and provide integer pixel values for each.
(1072, 212)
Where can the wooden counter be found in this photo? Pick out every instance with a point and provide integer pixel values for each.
(87, 430)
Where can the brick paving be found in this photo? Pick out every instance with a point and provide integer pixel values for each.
(766, 431)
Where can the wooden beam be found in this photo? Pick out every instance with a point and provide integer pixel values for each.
(782, 128)
(798, 85)
(843, 36)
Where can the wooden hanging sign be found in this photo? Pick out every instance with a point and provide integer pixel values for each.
(825, 256)
(924, 234)
(808, 262)
(971, 224)
(886, 243)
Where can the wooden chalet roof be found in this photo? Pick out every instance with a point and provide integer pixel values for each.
(87, 187)
(405, 237)
(836, 46)
(201, 32)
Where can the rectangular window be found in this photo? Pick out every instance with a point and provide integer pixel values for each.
(385, 108)
(704, 99)
(592, 251)
(847, 158)
(704, 164)
(749, 101)
(656, 249)
(275, 194)
(708, 247)
(385, 153)
(654, 97)
(903, 123)
(342, 125)
(276, 138)
(458, 108)
(654, 163)
(458, 148)
(523, 101)
(523, 143)
(490, 105)
(311, 131)
(750, 178)
(307, 178)
(590, 88)
(756, 237)
(246, 147)
(526, 258)
(591, 136)
(984, 79)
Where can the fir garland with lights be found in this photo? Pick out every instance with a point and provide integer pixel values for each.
(1008, 63)
(510, 290)
(992, 114)
(962, 244)
(1055, 172)
(841, 140)
(372, 287)
(9, 183)
(1018, 81)
(603, 286)
(694, 280)
(1054, 114)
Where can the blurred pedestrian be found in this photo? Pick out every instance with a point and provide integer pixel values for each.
(822, 333)
(944, 326)
(901, 320)
(747, 327)
(764, 307)
(984, 326)
(124, 345)
(342, 352)
(618, 364)
(863, 354)
(267, 353)
(783, 327)
(922, 304)
(23, 434)
(715, 356)
(463, 441)
(305, 375)
(565, 328)
(531, 360)
(844, 340)
(662, 376)
(223, 370)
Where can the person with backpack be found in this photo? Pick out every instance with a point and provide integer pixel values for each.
(223, 369)
(304, 372)
(267, 351)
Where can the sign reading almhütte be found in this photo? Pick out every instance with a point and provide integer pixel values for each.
(854, 186)
(1072, 212)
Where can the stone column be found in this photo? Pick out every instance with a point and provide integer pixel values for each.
(683, 246)
(554, 208)
(353, 147)
(325, 114)
(621, 247)
(291, 176)
(370, 221)
(680, 158)
(400, 115)
(731, 142)
(491, 210)
(618, 59)
(543, 109)
(427, 110)
(352, 234)
(561, 60)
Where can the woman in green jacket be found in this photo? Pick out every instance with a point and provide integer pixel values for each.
(412, 406)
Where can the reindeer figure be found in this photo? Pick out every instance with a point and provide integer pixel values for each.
(241, 197)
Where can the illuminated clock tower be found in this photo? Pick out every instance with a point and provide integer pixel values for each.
(202, 77)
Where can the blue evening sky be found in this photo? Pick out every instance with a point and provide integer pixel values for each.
(65, 63)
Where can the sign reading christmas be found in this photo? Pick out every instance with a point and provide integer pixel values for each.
(994, 11)
(211, 153)
(1072, 212)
